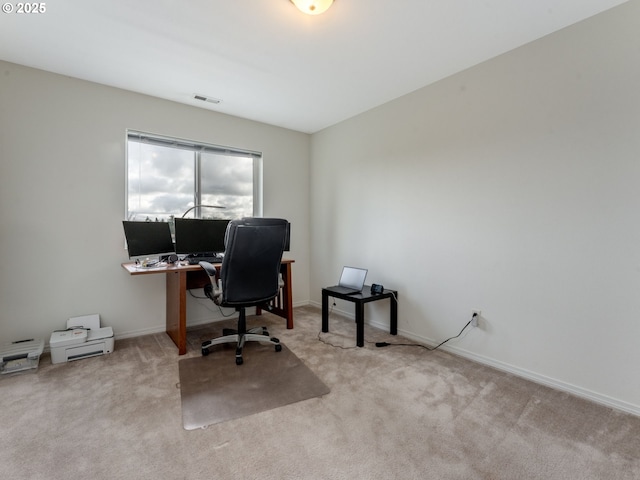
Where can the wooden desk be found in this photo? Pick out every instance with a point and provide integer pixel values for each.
(360, 299)
(181, 278)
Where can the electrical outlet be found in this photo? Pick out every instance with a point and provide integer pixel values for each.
(475, 317)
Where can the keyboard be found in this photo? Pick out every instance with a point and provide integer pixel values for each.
(197, 259)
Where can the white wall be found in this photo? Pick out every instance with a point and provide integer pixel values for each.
(511, 187)
(62, 181)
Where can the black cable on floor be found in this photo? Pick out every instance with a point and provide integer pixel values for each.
(387, 344)
(320, 339)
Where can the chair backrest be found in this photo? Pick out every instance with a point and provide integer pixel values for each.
(250, 269)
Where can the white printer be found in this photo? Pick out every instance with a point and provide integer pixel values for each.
(83, 338)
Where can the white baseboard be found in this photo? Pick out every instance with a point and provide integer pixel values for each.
(130, 334)
(505, 367)
(532, 376)
(547, 381)
(140, 332)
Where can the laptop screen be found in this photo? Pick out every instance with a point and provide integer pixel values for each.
(353, 277)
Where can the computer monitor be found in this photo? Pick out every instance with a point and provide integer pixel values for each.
(200, 237)
(147, 238)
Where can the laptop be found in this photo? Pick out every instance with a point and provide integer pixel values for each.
(351, 281)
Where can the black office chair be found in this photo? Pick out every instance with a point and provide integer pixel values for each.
(249, 276)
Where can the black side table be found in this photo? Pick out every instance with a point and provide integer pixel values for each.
(360, 299)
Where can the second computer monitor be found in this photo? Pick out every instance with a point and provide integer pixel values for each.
(196, 236)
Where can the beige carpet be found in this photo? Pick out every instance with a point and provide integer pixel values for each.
(392, 413)
(214, 389)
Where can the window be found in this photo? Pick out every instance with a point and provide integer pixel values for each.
(167, 177)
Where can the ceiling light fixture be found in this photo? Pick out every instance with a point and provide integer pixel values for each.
(312, 7)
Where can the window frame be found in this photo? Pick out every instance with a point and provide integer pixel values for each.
(198, 148)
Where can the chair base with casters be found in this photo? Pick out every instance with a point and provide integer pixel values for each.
(241, 336)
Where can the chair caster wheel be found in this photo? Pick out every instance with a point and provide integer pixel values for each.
(205, 352)
(238, 360)
(278, 348)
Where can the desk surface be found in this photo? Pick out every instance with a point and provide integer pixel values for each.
(364, 296)
(137, 269)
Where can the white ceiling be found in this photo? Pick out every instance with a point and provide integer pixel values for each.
(269, 62)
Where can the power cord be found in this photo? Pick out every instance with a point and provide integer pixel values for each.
(386, 344)
(322, 340)
(197, 296)
(394, 296)
(219, 307)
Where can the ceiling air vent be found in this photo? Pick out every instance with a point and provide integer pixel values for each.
(207, 99)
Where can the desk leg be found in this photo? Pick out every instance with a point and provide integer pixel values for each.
(287, 296)
(325, 312)
(282, 306)
(360, 324)
(176, 315)
(393, 327)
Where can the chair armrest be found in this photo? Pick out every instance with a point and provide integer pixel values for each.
(213, 291)
(211, 271)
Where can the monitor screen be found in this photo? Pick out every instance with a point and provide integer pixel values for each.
(147, 238)
(195, 236)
